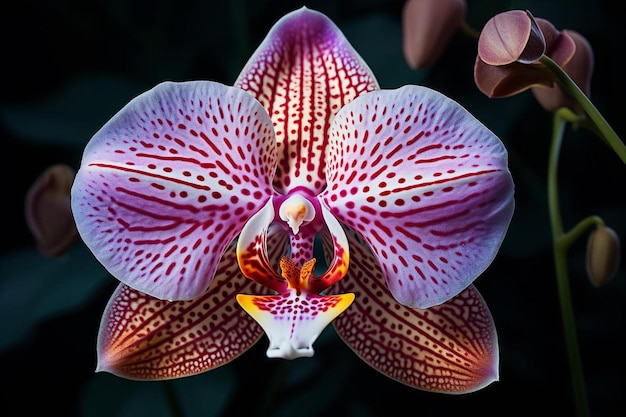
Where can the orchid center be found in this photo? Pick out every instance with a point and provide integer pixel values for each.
(295, 211)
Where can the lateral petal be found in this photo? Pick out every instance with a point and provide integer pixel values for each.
(169, 181)
(337, 254)
(252, 251)
(425, 184)
(449, 348)
(303, 73)
(142, 337)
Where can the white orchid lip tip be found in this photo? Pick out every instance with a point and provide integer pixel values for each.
(287, 350)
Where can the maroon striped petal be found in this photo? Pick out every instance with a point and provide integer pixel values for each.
(170, 180)
(303, 73)
(449, 348)
(425, 184)
(142, 337)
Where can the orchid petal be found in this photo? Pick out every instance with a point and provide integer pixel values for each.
(142, 337)
(339, 255)
(508, 80)
(170, 180)
(303, 73)
(425, 184)
(252, 251)
(449, 348)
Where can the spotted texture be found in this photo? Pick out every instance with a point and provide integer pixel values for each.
(295, 318)
(426, 186)
(170, 180)
(450, 348)
(142, 337)
(303, 73)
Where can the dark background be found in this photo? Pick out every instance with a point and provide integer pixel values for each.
(69, 65)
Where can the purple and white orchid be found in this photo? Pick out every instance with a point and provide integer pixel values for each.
(199, 196)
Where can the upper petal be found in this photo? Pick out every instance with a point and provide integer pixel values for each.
(425, 184)
(170, 180)
(303, 73)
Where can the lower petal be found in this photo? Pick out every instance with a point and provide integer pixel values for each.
(145, 338)
(449, 348)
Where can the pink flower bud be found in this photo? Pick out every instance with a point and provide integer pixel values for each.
(428, 26)
(509, 37)
(48, 212)
(508, 49)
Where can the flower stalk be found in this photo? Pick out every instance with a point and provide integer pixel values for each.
(561, 243)
(605, 130)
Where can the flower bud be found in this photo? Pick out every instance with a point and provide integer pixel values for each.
(603, 255)
(509, 37)
(509, 47)
(427, 27)
(48, 212)
(498, 81)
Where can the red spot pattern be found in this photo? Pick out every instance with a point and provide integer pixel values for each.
(447, 348)
(184, 165)
(142, 337)
(425, 184)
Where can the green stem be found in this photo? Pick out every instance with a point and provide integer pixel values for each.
(607, 132)
(570, 237)
(562, 276)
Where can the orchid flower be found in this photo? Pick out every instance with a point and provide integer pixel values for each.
(301, 195)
